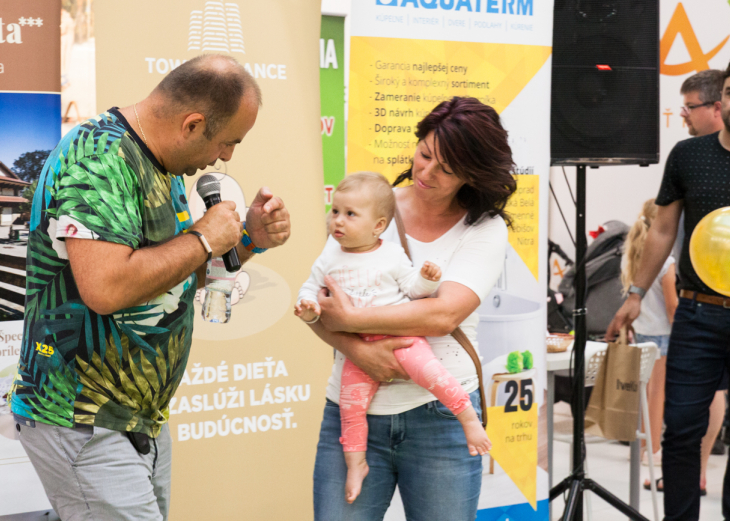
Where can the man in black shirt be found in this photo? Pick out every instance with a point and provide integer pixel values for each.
(696, 180)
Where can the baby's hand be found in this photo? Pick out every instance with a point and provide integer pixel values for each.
(307, 310)
(430, 271)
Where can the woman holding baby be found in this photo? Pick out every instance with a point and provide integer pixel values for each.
(454, 219)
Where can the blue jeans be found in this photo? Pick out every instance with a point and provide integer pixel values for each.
(661, 341)
(699, 353)
(423, 451)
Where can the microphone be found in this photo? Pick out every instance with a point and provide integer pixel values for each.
(209, 189)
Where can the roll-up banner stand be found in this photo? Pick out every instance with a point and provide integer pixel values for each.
(246, 417)
(332, 93)
(30, 111)
(405, 58)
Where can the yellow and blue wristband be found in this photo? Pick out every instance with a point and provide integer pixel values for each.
(248, 243)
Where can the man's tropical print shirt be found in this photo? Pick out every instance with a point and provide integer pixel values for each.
(115, 371)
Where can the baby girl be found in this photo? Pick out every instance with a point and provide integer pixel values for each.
(374, 272)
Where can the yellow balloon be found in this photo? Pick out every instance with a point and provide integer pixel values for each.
(709, 250)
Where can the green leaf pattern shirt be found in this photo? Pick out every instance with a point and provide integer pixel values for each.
(78, 367)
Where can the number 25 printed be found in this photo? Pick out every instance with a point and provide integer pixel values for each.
(525, 391)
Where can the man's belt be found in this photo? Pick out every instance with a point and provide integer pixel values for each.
(705, 299)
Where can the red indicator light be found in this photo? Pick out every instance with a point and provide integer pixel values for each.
(603, 67)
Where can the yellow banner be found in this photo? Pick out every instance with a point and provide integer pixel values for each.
(524, 208)
(514, 446)
(245, 419)
(394, 83)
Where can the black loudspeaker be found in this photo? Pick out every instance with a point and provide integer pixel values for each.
(605, 83)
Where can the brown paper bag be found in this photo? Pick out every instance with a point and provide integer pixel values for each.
(613, 410)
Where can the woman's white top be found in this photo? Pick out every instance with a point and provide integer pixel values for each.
(469, 255)
(653, 320)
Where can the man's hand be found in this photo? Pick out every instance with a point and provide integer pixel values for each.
(267, 220)
(626, 314)
(337, 309)
(378, 361)
(221, 226)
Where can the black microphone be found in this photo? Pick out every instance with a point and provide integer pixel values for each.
(210, 190)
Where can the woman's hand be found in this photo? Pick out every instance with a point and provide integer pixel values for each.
(338, 313)
(375, 358)
(378, 360)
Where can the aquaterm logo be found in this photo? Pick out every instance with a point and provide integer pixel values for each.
(518, 7)
(217, 28)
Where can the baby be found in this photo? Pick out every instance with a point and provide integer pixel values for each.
(374, 272)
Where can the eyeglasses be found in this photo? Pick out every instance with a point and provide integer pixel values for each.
(690, 108)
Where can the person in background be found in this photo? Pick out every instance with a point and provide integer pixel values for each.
(655, 321)
(702, 113)
(697, 181)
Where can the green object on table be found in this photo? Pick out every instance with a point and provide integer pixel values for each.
(527, 361)
(514, 362)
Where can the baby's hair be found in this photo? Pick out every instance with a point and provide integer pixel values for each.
(380, 190)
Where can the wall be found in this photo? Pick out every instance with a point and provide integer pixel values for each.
(618, 192)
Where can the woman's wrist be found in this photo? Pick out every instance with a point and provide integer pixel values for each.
(353, 320)
(345, 343)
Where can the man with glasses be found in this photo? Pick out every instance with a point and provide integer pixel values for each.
(702, 113)
(702, 106)
(697, 181)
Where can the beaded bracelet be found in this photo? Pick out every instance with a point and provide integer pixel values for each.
(248, 243)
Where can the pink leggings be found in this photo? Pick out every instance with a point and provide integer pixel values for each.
(357, 389)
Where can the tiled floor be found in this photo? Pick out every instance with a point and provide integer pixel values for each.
(608, 464)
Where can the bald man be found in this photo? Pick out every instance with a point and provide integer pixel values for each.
(114, 261)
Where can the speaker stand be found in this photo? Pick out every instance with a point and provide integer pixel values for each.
(577, 481)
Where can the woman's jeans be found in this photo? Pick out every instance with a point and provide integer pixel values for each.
(661, 341)
(699, 352)
(423, 451)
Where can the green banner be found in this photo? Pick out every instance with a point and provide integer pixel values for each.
(332, 93)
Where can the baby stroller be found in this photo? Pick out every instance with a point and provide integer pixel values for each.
(603, 279)
(604, 296)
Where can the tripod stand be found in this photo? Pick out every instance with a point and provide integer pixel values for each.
(577, 481)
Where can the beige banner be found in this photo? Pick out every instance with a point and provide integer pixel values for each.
(30, 46)
(246, 417)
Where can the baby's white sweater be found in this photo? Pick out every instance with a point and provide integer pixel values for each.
(381, 277)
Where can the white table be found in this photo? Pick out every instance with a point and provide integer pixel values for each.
(561, 362)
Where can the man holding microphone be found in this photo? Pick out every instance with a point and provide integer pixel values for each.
(114, 261)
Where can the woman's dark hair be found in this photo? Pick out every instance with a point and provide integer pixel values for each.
(471, 140)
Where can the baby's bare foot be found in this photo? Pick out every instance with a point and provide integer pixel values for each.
(476, 436)
(357, 469)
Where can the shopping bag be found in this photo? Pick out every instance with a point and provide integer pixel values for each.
(613, 410)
